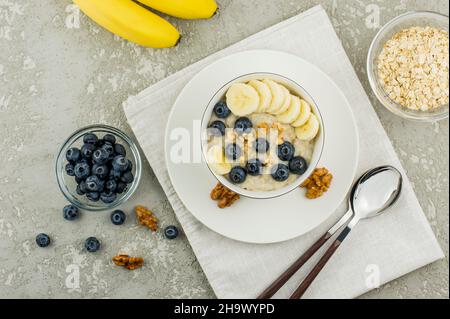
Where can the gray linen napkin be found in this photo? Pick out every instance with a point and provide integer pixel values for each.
(376, 252)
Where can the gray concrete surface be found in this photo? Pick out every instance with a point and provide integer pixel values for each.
(57, 75)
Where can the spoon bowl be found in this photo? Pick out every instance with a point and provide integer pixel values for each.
(377, 190)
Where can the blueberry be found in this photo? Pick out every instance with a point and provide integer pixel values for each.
(100, 142)
(233, 151)
(280, 172)
(87, 150)
(100, 156)
(114, 174)
(101, 185)
(100, 170)
(109, 148)
(243, 125)
(70, 169)
(73, 154)
(93, 196)
(119, 149)
(286, 151)
(110, 138)
(84, 160)
(298, 165)
(237, 175)
(81, 188)
(120, 163)
(82, 170)
(108, 197)
(253, 167)
(90, 138)
(261, 145)
(111, 185)
(70, 212)
(221, 110)
(79, 180)
(92, 183)
(42, 240)
(217, 128)
(127, 177)
(92, 244)
(130, 166)
(118, 217)
(121, 187)
(171, 232)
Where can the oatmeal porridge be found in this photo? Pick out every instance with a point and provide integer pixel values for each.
(261, 136)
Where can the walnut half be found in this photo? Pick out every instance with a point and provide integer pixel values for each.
(224, 196)
(128, 262)
(318, 183)
(146, 217)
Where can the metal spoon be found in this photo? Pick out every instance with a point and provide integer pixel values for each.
(377, 190)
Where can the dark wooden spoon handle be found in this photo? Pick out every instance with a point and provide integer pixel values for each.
(284, 277)
(298, 293)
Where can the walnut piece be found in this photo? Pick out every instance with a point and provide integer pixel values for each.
(128, 262)
(224, 196)
(146, 217)
(318, 183)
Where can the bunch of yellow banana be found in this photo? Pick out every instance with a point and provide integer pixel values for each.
(135, 23)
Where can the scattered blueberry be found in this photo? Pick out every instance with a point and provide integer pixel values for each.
(70, 212)
(110, 138)
(100, 156)
(217, 128)
(87, 150)
(243, 125)
(286, 151)
(92, 183)
(70, 169)
(118, 217)
(237, 175)
(121, 187)
(111, 185)
(233, 151)
(119, 149)
(93, 196)
(120, 163)
(127, 177)
(108, 197)
(90, 138)
(171, 232)
(254, 167)
(261, 145)
(298, 165)
(73, 154)
(82, 170)
(42, 240)
(100, 170)
(280, 172)
(92, 244)
(81, 188)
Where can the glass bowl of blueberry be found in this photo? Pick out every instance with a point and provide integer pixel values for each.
(98, 167)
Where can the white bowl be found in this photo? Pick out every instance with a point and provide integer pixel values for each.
(295, 88)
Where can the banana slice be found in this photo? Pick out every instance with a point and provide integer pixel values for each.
(242, 99)
(292, 113)
(308, 131)
(277, 95)
(265, 96)
(217, 161)
(305, 113)
(286, 103)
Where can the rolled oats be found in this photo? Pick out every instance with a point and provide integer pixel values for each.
(413, 68)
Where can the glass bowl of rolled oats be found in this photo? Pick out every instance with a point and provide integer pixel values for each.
(408, 66)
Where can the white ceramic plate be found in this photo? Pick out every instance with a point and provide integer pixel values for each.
(261, 220)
